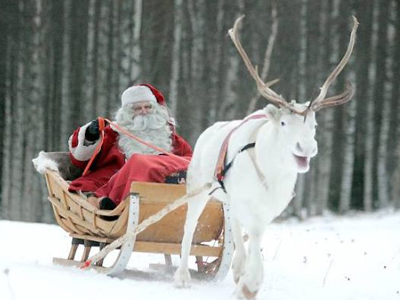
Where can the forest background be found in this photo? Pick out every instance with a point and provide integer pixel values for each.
(65, 62)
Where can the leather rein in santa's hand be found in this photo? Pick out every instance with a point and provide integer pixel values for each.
(102, 125)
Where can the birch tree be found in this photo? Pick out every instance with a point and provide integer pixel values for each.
(301, 182)
(6, 165)
(197, 19)
(217, 49)
(4, 23)
(325, 118)
(380, 176)
(112, 66)
(91, 59)
(362, 57)
(348, 158)
(17, 115)
(394, 131)
(227, 108)
(267, 57)
(6, 162)
(370, 134)
(136, 49)
(390, 118)
(31, 204)
(175, 59)
(130, 53)
(347, 126)
(66, 77)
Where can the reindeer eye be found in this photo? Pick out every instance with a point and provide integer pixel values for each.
(283, 123)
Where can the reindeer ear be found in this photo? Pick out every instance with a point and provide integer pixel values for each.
(273, 113)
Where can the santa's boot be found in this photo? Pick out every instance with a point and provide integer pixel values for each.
(107, 204)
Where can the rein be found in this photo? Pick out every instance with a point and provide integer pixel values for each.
(177, 203)
(102, 125)
(126, 132)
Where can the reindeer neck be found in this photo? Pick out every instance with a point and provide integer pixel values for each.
(270, 157)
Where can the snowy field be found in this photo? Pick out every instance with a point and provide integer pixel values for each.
(354, 257)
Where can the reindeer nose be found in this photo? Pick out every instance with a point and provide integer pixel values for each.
(298, 147)
(307, 148)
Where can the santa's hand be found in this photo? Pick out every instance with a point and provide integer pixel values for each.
(92, 132)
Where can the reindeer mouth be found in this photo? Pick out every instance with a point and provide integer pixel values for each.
(302, 161)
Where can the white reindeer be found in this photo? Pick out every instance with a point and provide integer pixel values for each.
(260, 182)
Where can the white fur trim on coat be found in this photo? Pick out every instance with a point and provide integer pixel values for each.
(43, 163)
(85, 149)
(136, 94)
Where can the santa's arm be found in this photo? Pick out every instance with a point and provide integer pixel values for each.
(81, 149)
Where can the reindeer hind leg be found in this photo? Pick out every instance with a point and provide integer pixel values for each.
(195, 208)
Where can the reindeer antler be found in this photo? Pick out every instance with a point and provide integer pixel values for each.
(263, 88)
(320, 101)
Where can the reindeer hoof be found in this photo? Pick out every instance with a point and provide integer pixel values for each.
(247, 293)
(237, 276)
(237, 270)
(182, 278)
(236, 279)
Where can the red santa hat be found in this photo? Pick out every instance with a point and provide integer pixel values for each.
(142, 92)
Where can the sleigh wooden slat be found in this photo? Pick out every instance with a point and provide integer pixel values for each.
(87, 225)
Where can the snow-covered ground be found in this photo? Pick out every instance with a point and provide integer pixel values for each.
(354, 257)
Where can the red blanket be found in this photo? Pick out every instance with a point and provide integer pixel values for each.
(144, 168)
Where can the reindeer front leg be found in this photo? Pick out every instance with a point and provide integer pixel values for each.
(239, 260)
(250, 282)
(195, 208)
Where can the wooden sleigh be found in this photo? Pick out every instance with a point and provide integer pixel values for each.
(212, 243)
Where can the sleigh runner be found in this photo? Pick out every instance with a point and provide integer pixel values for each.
(212, 245)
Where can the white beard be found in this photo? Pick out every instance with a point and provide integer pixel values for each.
(152, 128)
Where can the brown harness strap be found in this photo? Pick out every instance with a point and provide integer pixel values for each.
(222, 167)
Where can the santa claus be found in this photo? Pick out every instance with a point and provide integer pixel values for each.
(122, 159)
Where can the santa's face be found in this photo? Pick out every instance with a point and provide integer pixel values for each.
(142, 108)
(147, 121)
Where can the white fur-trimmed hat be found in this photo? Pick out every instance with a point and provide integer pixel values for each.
(142, 92)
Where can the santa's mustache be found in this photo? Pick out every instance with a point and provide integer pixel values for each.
(150, 121)
(153, 130)
(142, 122)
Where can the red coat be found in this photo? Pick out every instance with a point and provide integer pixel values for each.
(110, 164)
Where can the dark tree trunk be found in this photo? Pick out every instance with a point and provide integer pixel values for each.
(394, 132)
(363, 62)
(342, 32)
(378, 97)
(78, 51)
